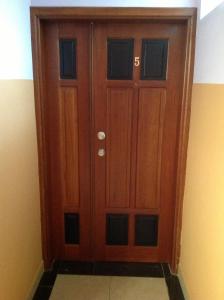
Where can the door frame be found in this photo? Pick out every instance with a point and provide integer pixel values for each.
(186, 15)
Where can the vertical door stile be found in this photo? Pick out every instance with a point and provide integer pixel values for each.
(92, 141)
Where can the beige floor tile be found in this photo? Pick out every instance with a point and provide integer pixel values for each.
(136, 288)
(76, 287)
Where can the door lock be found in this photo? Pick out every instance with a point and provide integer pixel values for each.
(101, 152)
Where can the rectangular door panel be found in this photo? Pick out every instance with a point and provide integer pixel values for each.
(119, 101)
(151, 112)
(70, 145)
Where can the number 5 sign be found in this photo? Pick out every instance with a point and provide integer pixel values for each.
(137, 61)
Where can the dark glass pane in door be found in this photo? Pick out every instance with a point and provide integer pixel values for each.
(146, 230)
(67, 58)
(154, 59)
(120, 59)
(117, 229)
(71, 227)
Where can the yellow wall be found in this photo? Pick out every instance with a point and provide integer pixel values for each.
(20, 239)
(202, 255)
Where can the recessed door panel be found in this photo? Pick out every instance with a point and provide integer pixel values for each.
(69, 145)
(118, 145)
(151, 112)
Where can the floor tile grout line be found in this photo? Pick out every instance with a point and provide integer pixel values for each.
(110, 286)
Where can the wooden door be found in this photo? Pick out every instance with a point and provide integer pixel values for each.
(111, 115)
(66, 121)
(137, 92)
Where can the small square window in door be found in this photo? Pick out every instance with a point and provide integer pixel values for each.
(120, 59)
(146, 230)
(67, 58)
(117, 229)
(154, 59)
(71, 228)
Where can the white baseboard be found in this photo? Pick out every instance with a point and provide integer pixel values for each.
(183, 286)
(35, 281)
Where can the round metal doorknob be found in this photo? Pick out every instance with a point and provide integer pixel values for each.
(101, 152)
(101, 135)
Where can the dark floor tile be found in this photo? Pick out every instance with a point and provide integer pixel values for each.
(48, 278)
(128, 269)
(42, 293)
(166, 270)
(55, 266)
(174, 288)
(72, 267)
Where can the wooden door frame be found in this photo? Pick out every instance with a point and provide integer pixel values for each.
(187, 15)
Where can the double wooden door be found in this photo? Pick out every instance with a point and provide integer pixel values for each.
(111, 119)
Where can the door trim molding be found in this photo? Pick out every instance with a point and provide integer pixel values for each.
(187, 15)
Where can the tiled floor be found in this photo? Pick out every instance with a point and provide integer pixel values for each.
(109, 281)
(89, 287)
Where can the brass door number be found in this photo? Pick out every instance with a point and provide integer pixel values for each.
(137, 61)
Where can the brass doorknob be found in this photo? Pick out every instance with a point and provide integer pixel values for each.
(101, 135)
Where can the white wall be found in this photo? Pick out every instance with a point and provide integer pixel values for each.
(15, 50)
(207, 6)
(143, 3)
(209, 60)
